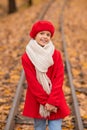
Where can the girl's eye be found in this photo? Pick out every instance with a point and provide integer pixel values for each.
(48, 34)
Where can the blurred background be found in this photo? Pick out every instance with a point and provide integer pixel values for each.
(16, 18)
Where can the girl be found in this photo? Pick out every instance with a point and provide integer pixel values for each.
(44, 72)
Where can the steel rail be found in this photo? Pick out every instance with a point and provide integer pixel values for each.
(13, 111)
(11, 118)
(79, 124)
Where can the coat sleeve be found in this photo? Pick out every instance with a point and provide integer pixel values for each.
(33, 85)
(56, 95)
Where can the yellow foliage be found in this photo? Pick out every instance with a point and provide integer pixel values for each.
(84, 117)
(84, 64)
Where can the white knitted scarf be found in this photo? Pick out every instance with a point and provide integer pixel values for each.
(42, 59)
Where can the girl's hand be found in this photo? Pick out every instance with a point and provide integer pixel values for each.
(50, 108)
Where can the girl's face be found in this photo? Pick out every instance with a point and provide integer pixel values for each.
(43, 37)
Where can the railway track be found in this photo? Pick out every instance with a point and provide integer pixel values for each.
(79, 124)
(14, 117)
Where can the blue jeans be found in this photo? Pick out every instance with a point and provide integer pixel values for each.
(40, 124)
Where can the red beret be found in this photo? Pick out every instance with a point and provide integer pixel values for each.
(42, 25)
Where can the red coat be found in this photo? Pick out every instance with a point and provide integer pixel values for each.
(36, 95)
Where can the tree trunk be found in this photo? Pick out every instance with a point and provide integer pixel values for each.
(12, 6)
(30, 2)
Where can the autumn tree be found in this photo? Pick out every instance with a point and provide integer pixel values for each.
(12, 6)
